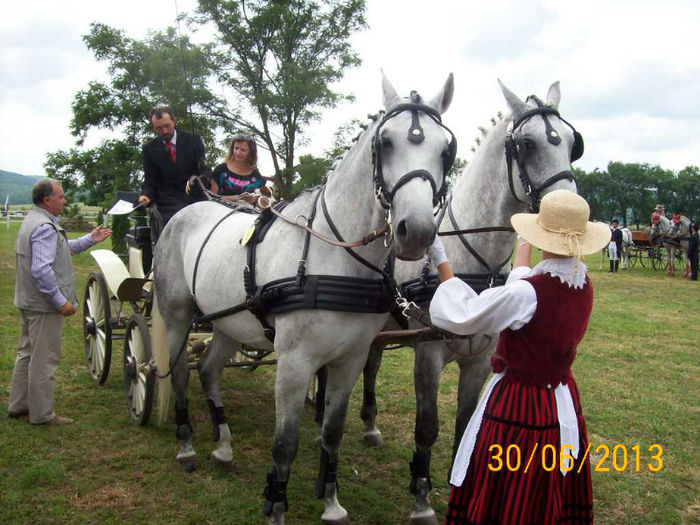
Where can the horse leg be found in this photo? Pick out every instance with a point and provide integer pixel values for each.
(210, 368)
(180, 374)
(427, 369)
(341, 378)
(472, 374)
(372, 436)
(293, 375)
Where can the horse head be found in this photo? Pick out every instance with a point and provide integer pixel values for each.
(541, 144)
(412, 152)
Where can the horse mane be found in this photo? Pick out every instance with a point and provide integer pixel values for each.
(484, 131)
(373, 118)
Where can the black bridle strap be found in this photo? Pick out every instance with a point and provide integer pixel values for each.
(486, 229)
(469, 246)
(415, 174)
(335, 231)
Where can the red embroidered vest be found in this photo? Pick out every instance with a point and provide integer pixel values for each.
(542, 351)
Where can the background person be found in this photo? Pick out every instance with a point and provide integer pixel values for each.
(541, 314)
(239, 174)
(169, 161)
(615, 246)
(693, 246)
(44, 294)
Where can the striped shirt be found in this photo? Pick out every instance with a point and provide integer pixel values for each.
(43, 242)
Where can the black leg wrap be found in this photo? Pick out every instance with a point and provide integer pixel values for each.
(182, 418)
(275, 492)
(327, 473)
(217, 418)
(420, 468)
(369, 405)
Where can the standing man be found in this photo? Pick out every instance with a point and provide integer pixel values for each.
(693, 246)
(615, 246)
(169, 161)
(44, 294)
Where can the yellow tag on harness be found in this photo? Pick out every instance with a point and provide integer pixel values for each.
(248, 234)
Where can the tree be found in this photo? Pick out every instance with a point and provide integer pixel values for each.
(281, 57)
(163, 68)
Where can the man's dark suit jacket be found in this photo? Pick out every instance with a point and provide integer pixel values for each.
(616, 237)
(164, 182)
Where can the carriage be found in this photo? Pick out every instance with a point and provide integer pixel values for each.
(654, 254)
(119, 306)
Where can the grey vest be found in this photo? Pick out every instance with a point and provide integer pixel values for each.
(27, 296)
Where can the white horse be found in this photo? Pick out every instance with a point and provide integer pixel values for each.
(391, 177)
(671, 234)
(541, 147)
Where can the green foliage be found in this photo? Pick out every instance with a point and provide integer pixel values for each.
(162, 69)
(630, 191)
(280, 58)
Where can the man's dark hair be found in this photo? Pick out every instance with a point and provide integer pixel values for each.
(42, 188)
(159, 111)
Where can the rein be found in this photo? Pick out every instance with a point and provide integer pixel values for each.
(371, 236)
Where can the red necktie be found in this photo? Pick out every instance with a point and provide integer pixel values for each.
(171, 150)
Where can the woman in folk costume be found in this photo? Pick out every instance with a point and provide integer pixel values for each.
(532, 399)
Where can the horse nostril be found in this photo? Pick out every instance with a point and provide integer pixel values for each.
(402, 229)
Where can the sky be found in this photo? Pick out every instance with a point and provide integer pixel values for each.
(629, 70)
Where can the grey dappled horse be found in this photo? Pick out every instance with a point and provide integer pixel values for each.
(485, 195)
(670, 235)
(410, 146)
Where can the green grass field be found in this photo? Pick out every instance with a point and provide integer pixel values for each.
(637, 370)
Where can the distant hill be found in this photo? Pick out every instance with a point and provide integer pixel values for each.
(18, 186)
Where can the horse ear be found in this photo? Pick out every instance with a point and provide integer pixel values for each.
(517, 106)
(442, 100)
(554, 95)
(388, 91)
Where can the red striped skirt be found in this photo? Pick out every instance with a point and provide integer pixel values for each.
(524, 418)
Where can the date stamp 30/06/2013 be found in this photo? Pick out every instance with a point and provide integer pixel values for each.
(615, 458)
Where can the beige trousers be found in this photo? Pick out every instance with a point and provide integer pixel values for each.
(38, 355)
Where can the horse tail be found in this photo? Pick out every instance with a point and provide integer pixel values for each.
(162, 359)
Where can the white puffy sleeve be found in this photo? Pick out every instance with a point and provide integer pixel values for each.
(458, 309)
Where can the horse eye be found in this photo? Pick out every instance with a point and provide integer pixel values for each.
(529, 145)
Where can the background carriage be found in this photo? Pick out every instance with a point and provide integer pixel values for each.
(119, 306)
(654, 254)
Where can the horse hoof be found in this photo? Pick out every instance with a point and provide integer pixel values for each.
(373, 440)
(424, 520)
(218, 464)
(188, 464)
(339, 521)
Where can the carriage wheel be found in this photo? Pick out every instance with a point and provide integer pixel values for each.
(644, 257)
(632, 259)
(659, 261)
(679, 259)
(139, 375)
(97, 330)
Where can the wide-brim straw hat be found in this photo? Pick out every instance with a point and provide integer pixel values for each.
(659, 207)
(562, 226)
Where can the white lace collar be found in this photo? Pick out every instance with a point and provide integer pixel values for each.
(570, 270)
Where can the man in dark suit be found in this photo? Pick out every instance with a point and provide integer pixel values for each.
(693, 248)
(169, 161)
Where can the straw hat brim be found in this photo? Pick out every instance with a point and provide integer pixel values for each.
(595, 238)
